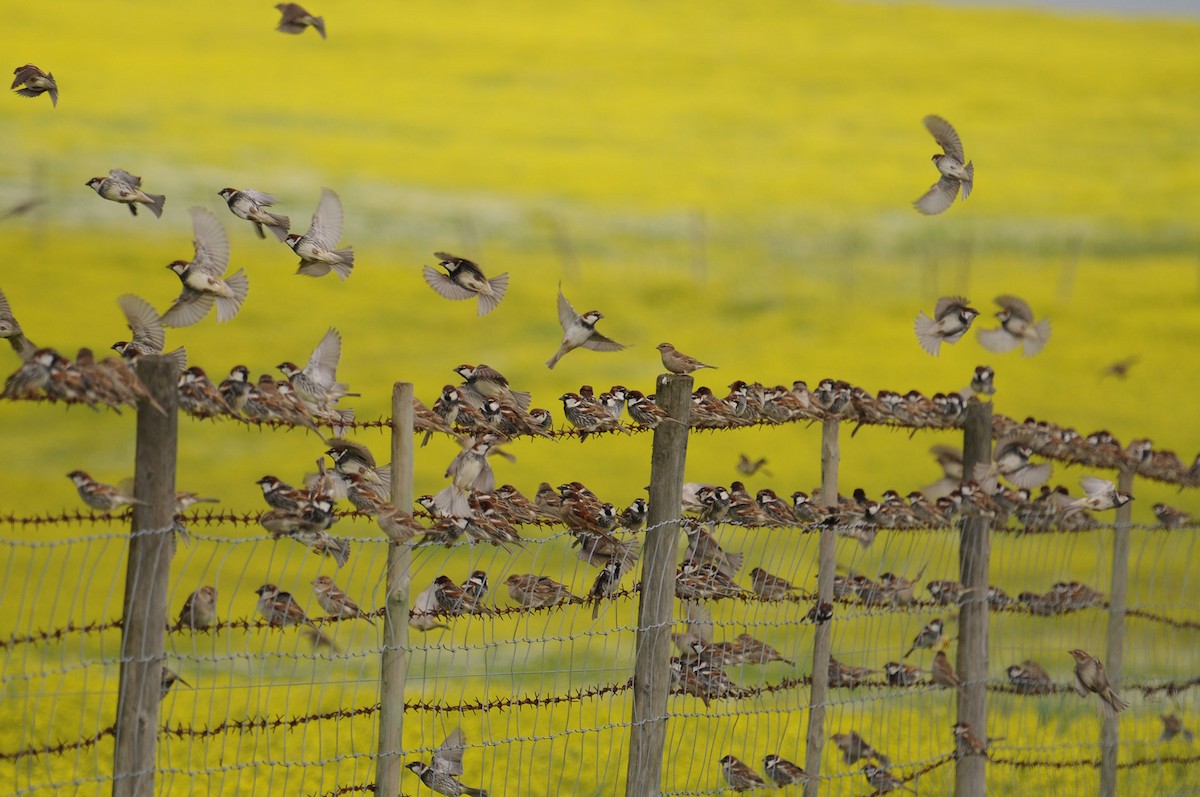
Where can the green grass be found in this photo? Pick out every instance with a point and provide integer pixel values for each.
(735, 180)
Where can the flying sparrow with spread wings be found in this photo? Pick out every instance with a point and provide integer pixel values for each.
(465, 280)
(318, 255)
(201, 278)
(442, 773)
(294, 19)
(1017, 328)
(579, 331)
(952, 317)
(955, 170)
(34, 82)
(249, 204)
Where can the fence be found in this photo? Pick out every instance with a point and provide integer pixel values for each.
(553, 701)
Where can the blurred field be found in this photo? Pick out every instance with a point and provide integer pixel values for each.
(733, 179)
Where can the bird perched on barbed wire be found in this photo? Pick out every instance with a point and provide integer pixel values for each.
(1017, 328)
(783, 772)
(464, 279)
(317, 384)
(442, 773)
(249, 204)
(1029, 678)
(121, 186)
(101, 496)
(967, 743)
(855, 748)
(952, 317)
(606, 584)
(531, 590)
(335, 602)
(579, 331)
(943, 673)
(34, 82)
(882, 780)
(677, 362)
(317, 247)
(202, 276)
(279, 608)
(294, 19)
(199, 611)
(956, 171)
(1091, 677)
(739, 776)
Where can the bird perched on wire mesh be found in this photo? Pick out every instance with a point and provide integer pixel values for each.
(929, 636)
(739, 776)
(34, 82)
(317, 247)
(579, 331)
(442, 773)
(335, 602)
(606, 584)
(783, 772)
(677, 362)
(121, 186)
(425, 612)
(101, 496)
(169, 679)
(294, 19)
(855, 748)
(531, 590)
(279, 608)
(199, 611)
(943, 673)
(955, 170)
(464, 279)
(202, 276)
(1090, 677)
(882, 780)
(250, 205)
(952, 317)
(1017, 328)
(966, 742)
(1029, 678)
(899, 674)
(770, 587)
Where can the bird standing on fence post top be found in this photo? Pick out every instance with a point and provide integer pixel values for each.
(677, 362)
(441, 774)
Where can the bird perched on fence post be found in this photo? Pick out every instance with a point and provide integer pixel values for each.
(441, 774)
(677, 362)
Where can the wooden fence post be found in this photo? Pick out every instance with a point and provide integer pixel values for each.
(823, 636)
(651, 669)
(1115, 653)
(393, 671)
(974, 555)
(143, 633)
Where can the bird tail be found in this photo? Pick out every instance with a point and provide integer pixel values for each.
(475, 792)
(178, 357)
(452, 501)
(553, 361)
(156, 204)
(345, 262)
(1037, 341)
(53, 91)
(228, 306)
(968, 183)
(1113, 704)
(319, 24)
(925, 328)
(489, 300)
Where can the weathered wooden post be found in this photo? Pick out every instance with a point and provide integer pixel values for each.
(394, 667)
(150, 547)
(974, 556)
(1114, 656)
(651, 669)
(823, 636)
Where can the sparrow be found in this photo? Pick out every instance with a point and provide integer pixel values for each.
(11, 331)
(121, 186)
(169, 679)
(1120, 368)
(901, 674)
(704, 548)
(783, 772)
(201, 278)
(579, 331)
(307, 527)
(588, 418)
(770, 587)
(1011, 461)
(846, 676)
(451, 598)
(1099, 495)
(644, 411)
(950, 164)
(464, 280)
(294, 19)
(1016, 329)
(606, 584)
(35, 82)
(199, 397)
(696, 581)
(983, 382)
(248, 204)
(100, 496)
(634, 516)
(818, 614)
(967, 743)
(739, 776)
(1170, 517)
(442, 773)
(749, 467)
(476, 586)
(943, 672)
(1172, 727)
(532, 591)
(424, 612)
(317, 384)
(1090, 677)
(316, 247)
(883, 781)
(469, 470)
(199, 610)
(335, 602)
(677, 362)
(280, 495)
(1028, 678)
(397, 524)
(279, 608)
(149, 337)
(854, 749)
(952, 318)
(483, 381)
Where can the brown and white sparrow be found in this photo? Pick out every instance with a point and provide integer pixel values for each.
(335, 602)
(677, 362)
(465, 280)
(1029, 678)
(1170, 517)
(249, 204)
(294, 19)
(943, 673)
(199, 611)
(425, 612)
(34, 82)
(606, 584)
(533, 591)
(483, 381)
(846, 676)
(1017, 328)
(169, 679)
(201, 278)
(955, 170)
(317, 384)
(1090, 677)
(929, 636)
(783, 772)
(952, 317)
(100, 496)
(11, 331)
(855, 748)
(442, 773)
(882, 780)
(966, 742)
(901, 674)
(697, 581)
(451, 598)
(279, 608)
(770, 587)
(579, 331)
(121, 186)
(317, 247)
(1099, 495)
(739, 776)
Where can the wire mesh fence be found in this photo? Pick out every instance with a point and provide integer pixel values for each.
(541, 678)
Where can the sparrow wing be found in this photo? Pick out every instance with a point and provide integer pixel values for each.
(212, 244)
(189, 308)
(447, 759)
(122, 176)
(1018, 307)
(144, 322)
(939, 197)
(322, 365)
(258, 197)
(445, 287)
(943, 133)
(700, 622)
(947, 305)
(566, 313)
(326, 229)
(1093, 485)
(426, 602)
(23, 73)
(998, 340)
(598, 342)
